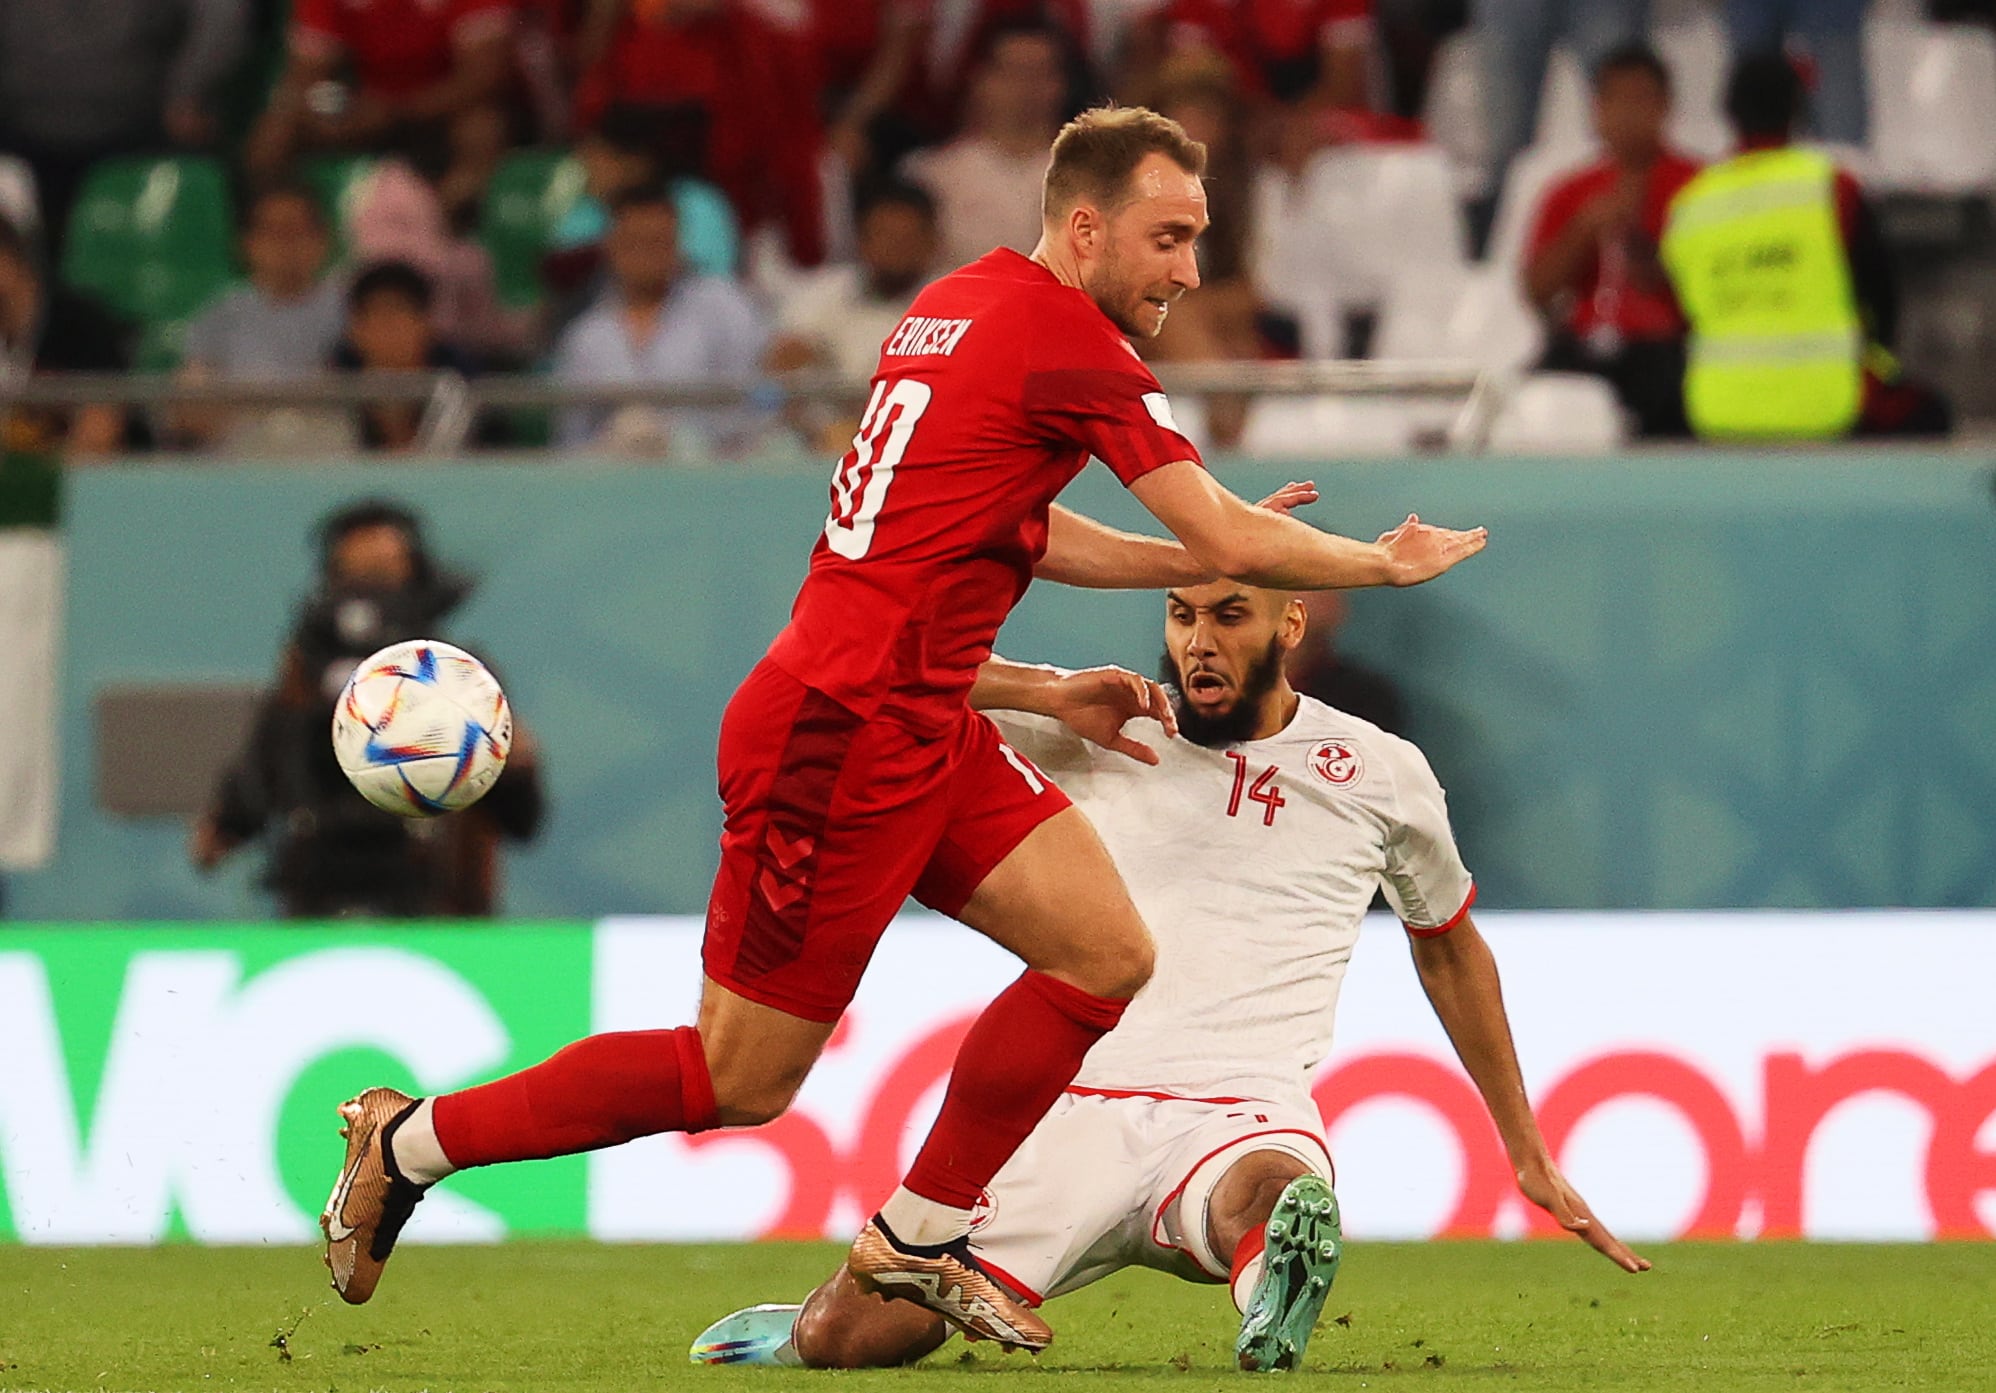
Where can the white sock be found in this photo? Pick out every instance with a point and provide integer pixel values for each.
(1244, 1280)
(418, 1155)
(922, 1221)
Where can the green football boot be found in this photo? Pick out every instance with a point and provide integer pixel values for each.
(1305, 1244)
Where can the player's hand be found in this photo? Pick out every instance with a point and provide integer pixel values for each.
(1097, 702)
(1416, 551)
(1545, 1187)
(1290, 496)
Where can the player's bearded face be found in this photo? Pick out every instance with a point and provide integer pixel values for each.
(1215, 706)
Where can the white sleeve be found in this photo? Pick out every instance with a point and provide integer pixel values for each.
(1425, 881)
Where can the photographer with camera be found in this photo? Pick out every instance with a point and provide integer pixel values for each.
(331, 853)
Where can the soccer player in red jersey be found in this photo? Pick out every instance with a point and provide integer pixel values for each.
(854, 773)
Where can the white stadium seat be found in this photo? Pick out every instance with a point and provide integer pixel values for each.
(1933, 106)
(1338, 427)
(1536, 169)
(1455, 116)
(1560, 413)
(1340, 237)
(1698, 53)
(1566, 103)
(1477, 315)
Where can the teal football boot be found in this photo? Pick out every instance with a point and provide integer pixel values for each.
(1305, 1244)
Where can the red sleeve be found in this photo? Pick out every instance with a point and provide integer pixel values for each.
(1562, 201)
(316, 22)
(1849, 199)
(1090, 389)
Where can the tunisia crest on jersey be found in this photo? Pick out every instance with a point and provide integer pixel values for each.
(1337, 764)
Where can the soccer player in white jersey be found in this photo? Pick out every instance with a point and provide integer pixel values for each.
(1189, 1141)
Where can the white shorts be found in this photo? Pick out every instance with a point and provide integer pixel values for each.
(1107, 1182)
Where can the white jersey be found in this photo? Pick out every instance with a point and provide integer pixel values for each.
(1253, 865)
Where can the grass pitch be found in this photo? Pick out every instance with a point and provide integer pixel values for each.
(577, 1318)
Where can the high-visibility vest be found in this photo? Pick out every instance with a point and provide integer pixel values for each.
(1757, 259)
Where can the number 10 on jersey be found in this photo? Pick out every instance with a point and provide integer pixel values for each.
(861, 481)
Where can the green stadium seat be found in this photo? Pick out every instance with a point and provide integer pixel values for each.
(336, 179)
(528, 197)
(153, 239)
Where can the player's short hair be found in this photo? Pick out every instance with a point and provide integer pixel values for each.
(1096, 153)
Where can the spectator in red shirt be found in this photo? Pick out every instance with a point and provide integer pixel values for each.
(753, 85)
(1286, 49)
(424, 78)
(870, 53)
(1591, 265)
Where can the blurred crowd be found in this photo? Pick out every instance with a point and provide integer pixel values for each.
(661, 191)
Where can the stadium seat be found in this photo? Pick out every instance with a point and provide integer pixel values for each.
(1536, 169)
(1560, 413)
(19, 204)
(154, 240)
(1359, 218)
(1933, 106)
(337, 179)
(1698, 53)
(1454, 114)
(1313, 427)
(1474, 315)
(1566, 105)
(527, 198)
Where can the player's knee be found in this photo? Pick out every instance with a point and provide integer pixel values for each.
(751, 1101)
(1121, 971)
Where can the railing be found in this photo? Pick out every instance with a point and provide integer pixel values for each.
(452, 402)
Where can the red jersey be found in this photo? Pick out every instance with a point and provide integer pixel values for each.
(1623, 286)
(990, 396)
(1270, 43)
(398, 47)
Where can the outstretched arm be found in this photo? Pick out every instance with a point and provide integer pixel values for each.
(1081, 551)
(1459, 975)
(1242, 542)
(1084, 552)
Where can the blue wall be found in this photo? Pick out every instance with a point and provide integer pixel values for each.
(1684, 681)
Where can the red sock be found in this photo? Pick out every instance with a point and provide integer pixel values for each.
(1024, 1049)
(595, 1093)
(1252, 1245)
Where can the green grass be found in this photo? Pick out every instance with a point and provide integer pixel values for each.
(576, 1318)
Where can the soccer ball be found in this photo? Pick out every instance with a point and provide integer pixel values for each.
(422, 728)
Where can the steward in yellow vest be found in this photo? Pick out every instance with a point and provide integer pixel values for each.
(1756, 256)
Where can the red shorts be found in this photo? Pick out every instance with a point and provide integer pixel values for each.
(833, 821)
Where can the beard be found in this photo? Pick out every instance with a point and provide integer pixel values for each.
(1237, 723)
(1122, 300)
